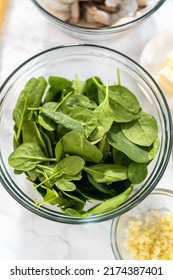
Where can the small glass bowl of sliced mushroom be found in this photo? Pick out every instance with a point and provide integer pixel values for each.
(97, 17)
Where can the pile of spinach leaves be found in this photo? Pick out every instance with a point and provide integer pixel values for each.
(82, 141)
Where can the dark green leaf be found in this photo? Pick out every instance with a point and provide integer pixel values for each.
(75, 143)
(137, 172)
(123, 103)
(142, 131)
(117, 139)
(27, 156)
(79, 101)
(31, 134)
(111, 203)
(107, 173)
(59, 83)
(91, 90)
(86, 117)
(105, 119)
(31, 96)
(64, 120)
(65, 185)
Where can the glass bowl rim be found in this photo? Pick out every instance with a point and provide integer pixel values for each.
(109, 215)
(115, 222)
(102, 30)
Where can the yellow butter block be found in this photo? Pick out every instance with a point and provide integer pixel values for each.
(166, 78)
(168, 59)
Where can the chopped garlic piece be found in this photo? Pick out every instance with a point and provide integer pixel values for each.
(152, 237)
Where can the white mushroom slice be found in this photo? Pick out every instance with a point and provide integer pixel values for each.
(61, 14)
(112, 3)
(128, 8)
(74, 12)
(88, 16)
(54, 5)
(142, 3)
(99, 16)
(122, 21)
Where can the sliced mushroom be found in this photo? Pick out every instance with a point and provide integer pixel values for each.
(99, 16)
(74, 13)
(142, 3)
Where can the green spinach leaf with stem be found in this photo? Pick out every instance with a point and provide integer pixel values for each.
(59, 151)
(31, 95)
(51, 196)
(86, 117)
(117, 139)
(107, 173)
(59, 83)
(153, 149)
(70, 165)
(79, 101)
(32, 134)
(104, 188)
(105, 119)
(142, 131)
(137, 172)
(91, 90)
(27, 156)
(75, 143)
(111, 203)
(64, 120)
(123, 103)
(65, 185)
(78, 85)
(47, 142)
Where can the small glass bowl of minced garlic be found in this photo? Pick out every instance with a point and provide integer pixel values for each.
(146, 231)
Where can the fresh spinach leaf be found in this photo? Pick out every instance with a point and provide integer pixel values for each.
(27, 156)
(117, 139)
(65, 185)
(31, 134)
(104, 188)
(153, 149)
(64, 120)
(59, 83)
(86, 117)
(111, 203)
(75, 143)
(142, 131)
(31, 96)
(59, 151)
(70, 165)
(78, 85)
(107, 173)
(137, 172)
(105, 119)
(120, 158)
(123, 103)
(79, 101)
(91, 90)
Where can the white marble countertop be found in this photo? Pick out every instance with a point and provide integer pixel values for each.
(24, 235)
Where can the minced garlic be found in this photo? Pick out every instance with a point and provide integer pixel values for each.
(152, 237)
